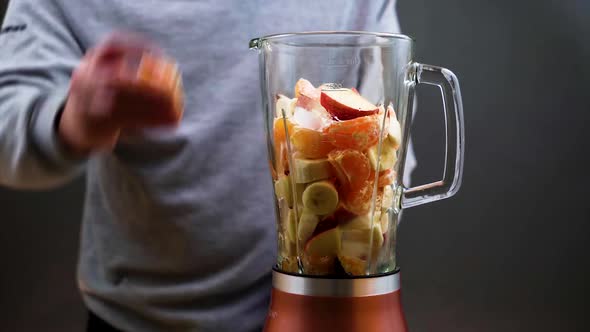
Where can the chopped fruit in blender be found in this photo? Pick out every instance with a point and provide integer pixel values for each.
(346, 104)
(334, 135)
(286, 105)
(304, 87)
(310, 170)
(357, 134)
(307, 225)
(310, 143)
(395, 130)
(283, 190)
(388, 156)
(320, 198)
(353, 167)
(324, 244)
(386, 178)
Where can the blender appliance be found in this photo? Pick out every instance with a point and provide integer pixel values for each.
(338, 109)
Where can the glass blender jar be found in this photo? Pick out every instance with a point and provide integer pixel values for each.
(338, 109)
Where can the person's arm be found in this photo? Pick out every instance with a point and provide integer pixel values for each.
(38, 53)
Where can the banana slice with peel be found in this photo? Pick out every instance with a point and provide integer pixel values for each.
(320, 198)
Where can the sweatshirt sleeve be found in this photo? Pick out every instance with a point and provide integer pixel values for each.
(38, 53)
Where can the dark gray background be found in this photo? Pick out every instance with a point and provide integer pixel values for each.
(508, 253)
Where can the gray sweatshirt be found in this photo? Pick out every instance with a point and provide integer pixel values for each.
(178, 232)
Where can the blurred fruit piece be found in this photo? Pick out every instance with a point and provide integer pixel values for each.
(310, 143)
(357, 134)
(162, 74)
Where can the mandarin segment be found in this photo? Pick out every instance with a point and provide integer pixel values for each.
(310, 143)
(357, 134)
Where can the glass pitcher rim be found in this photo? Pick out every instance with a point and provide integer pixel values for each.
(256, 42)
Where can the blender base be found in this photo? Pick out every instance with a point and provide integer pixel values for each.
(310, 304)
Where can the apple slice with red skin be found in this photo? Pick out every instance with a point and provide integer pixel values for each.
(346, 104)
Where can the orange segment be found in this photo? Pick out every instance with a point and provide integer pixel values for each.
(353, 164)
(310, 143)
(358, 134)
(354, 172)
(358, 201)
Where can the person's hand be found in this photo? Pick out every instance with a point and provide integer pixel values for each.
(118, 86)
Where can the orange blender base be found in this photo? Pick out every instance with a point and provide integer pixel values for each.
(298, 313)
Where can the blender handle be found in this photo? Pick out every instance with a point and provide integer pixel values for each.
(455, 137)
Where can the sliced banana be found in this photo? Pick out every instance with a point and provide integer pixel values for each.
(285, 104)
(320, 198)
(388, 156)
(307, 224)
(310, 170)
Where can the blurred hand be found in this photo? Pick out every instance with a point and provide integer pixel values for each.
(118, 86)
